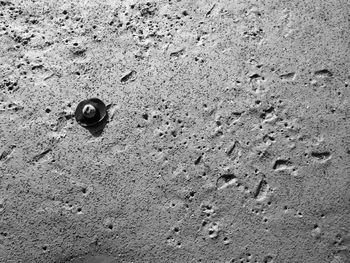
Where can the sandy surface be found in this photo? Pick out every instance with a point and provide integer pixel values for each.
(227, 137)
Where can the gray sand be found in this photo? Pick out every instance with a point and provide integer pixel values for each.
(227, 138)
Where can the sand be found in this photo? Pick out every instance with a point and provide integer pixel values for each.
(227, 136)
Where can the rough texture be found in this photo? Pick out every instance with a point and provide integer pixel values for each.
(227, 138)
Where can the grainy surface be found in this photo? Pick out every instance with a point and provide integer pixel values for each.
(227, 138)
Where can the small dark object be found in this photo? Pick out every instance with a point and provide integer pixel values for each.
(90, 112)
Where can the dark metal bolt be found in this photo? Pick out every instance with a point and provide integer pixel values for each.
(91, 112)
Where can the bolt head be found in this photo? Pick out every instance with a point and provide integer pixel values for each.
(89, 111)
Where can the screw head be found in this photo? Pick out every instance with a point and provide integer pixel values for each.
(89, 111)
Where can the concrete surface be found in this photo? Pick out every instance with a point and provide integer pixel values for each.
(227, 138)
